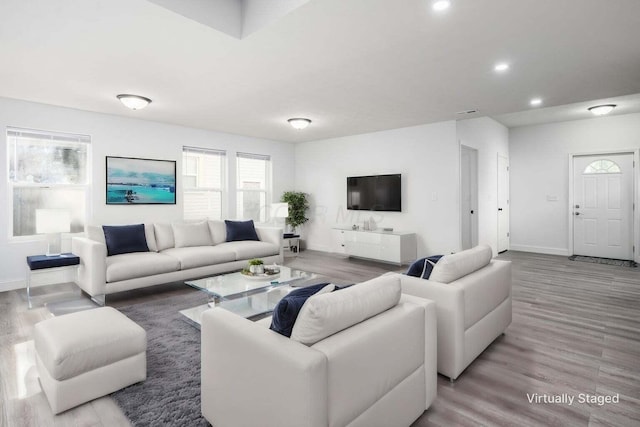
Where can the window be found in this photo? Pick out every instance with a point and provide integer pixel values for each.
(47, 170)
(254, 181)
(203, 182)
(602, 166)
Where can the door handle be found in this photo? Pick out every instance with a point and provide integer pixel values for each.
(500, 209)
(577, 213)
(472, 212)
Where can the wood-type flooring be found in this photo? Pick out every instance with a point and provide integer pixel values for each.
(575, 332)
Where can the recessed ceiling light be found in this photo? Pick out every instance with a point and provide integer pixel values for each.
(299, 123)
(135, 102)
(440, 5)
(601, 110)
(535, 102)
(501, 67)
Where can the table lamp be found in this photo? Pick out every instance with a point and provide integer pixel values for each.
(279, 210)
(53, 222)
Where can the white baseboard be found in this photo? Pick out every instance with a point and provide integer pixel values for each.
(12, 285)
(540, 249)
(320, 248)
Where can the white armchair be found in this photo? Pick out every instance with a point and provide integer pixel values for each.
(379, 372)
(473, 306)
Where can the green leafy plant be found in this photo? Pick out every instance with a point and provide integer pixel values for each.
(298, 205)
(256, 261)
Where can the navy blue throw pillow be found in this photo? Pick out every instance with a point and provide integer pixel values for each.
(124, 239)
(286, 312)
(240, 230)
(423, 267)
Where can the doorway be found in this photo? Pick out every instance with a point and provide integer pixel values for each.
(503, 203)
(468, 197)
(602, 210)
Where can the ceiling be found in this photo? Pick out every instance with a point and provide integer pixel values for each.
(351, 66)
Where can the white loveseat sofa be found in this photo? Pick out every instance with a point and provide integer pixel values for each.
(377, 372)
(472, 293)
(175, 253)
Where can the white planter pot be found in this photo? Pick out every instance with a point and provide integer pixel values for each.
(256, 269)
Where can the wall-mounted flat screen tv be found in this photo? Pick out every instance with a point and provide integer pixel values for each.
(375, 193)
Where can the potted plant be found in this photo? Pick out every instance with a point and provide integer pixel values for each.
(256, 266)
(298, 205)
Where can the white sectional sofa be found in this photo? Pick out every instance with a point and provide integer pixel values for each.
(472, 293)
(176, 252)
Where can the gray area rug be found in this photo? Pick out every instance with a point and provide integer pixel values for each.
(607, 261)
(171, 394)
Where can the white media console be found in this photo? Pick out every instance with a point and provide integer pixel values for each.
(387, 246)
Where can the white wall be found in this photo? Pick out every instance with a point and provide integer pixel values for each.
(427, 156)
(490, 138)
(120, 136)
(540, 168)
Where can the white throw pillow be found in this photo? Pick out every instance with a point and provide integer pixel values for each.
(325, 314)
(95, 233)
(150, 234)
(164, 236)
(218, 231)
(454, 266)
(192, 234)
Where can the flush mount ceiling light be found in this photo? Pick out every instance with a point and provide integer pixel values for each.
(601, 110)
(440, 5)
(299, 123)
(135, 102)
(535, 102)
(501, 67)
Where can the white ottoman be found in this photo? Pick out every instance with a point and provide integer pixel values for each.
(85, 355)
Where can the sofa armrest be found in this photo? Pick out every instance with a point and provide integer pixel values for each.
(430, 344)
(92, 272)
(272, 235)
(244, 362)
(449, 300)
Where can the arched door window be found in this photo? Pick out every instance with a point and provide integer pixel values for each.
(602, 166)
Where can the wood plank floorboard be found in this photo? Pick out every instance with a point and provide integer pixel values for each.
(575, 329)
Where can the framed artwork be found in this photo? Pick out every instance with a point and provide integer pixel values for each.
(132, 181)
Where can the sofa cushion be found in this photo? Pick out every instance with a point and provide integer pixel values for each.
(164, 236)
(324, 315)
(139, 264)
(96, 233)
(423, 267)
(192, 234)
(249, 249)
(124, 239)
(199, 256)
(218, 231)
(286, 312)
(454, 266)
(240, 230)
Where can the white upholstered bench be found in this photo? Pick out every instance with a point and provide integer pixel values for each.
(85, 355)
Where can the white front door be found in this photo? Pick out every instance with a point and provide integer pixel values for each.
(603, 207)
(468, 197)
(503, 203)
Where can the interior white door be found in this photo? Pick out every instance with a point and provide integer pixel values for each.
(468, 197)
(503, 203)
(603, 206)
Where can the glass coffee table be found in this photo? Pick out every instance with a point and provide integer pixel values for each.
(247, 296)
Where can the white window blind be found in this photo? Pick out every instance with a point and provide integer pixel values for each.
(253, 185)
(47, 170)
(203, 172)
